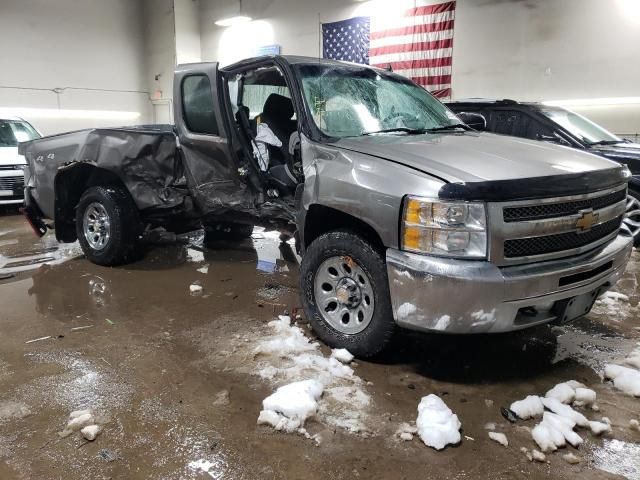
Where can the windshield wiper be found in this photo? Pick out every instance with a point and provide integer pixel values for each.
(411, 131)
(449, 127)
(606, 142)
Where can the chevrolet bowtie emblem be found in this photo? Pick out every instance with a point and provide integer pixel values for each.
(587, 220)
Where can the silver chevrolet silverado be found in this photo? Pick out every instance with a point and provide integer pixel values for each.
(403, 214)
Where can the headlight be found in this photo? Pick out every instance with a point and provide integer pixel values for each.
(453, 229)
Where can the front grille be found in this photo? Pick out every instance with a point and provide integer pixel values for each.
(551, 210)
(522, 247)
(11, 183)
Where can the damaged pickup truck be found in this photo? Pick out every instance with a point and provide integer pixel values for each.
(403, 215)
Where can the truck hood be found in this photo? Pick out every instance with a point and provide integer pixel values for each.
(10, 156)
(477, 157)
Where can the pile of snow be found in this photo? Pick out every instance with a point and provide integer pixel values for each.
(558, 417)
(195, 289)
(573, 392)
(342, 355)
(289, 407)
(624, 378)
(437, 425)
(565, 393)
(83, 420)
(286, 355)
(554, 432)
(530, 407)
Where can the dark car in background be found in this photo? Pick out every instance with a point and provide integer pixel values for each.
(558, 125)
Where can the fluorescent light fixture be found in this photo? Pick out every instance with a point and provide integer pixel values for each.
(69, 114)
(231, 21)
(594, 102)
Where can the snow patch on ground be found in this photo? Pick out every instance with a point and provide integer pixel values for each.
(614, 305)
(437, 425)
(281, 354)
(501, 438)
(291, 405)
(342, 355)
(557, 426)
(633, 359)
(530, 407)
(624, 379)
(406, 431)
(204, 269)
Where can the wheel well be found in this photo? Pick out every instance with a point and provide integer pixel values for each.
(321, 219)
(69, 186)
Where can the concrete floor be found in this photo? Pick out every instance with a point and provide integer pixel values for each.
(156, 361)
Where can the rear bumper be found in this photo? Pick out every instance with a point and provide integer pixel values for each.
(464, 296)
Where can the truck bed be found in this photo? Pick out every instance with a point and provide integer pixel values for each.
(145, 158)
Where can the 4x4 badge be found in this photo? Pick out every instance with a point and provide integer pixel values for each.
(587, 220)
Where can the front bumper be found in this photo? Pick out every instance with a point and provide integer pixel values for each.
(465, 296)
(11, 187)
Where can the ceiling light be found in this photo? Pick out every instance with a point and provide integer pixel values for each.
(231, 21)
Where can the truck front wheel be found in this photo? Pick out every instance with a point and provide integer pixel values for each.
(345, 293)
(107, 225)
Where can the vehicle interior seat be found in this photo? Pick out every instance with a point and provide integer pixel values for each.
(277, 113)
(279, 174)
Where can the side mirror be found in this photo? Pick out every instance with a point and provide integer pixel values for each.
(474, 120)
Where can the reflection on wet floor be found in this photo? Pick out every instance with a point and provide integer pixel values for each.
(618, 457)
(132, 343)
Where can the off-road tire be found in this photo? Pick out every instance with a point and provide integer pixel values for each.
(226, 231)
(378, 333)
(122, 246)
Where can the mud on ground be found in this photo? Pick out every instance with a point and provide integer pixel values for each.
(175, 381)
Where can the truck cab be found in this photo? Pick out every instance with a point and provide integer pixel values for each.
(404, 215)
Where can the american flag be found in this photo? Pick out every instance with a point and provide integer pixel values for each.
(347, 40)
(415, 40)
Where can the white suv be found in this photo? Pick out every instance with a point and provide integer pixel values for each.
(13, 130)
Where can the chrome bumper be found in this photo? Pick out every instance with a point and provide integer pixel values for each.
(466, 296)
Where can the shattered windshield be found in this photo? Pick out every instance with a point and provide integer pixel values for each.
(349, 101)
(580, 126)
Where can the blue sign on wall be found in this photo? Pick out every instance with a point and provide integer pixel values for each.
(268, 50)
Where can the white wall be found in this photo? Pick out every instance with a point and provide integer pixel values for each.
(160, 56)
(187, 18)
(528, 50)
(71, 43)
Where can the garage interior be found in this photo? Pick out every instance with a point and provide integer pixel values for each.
(172, 355)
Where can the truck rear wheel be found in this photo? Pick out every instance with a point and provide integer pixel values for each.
(345, 293)
(107, 225)
(226, 231)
